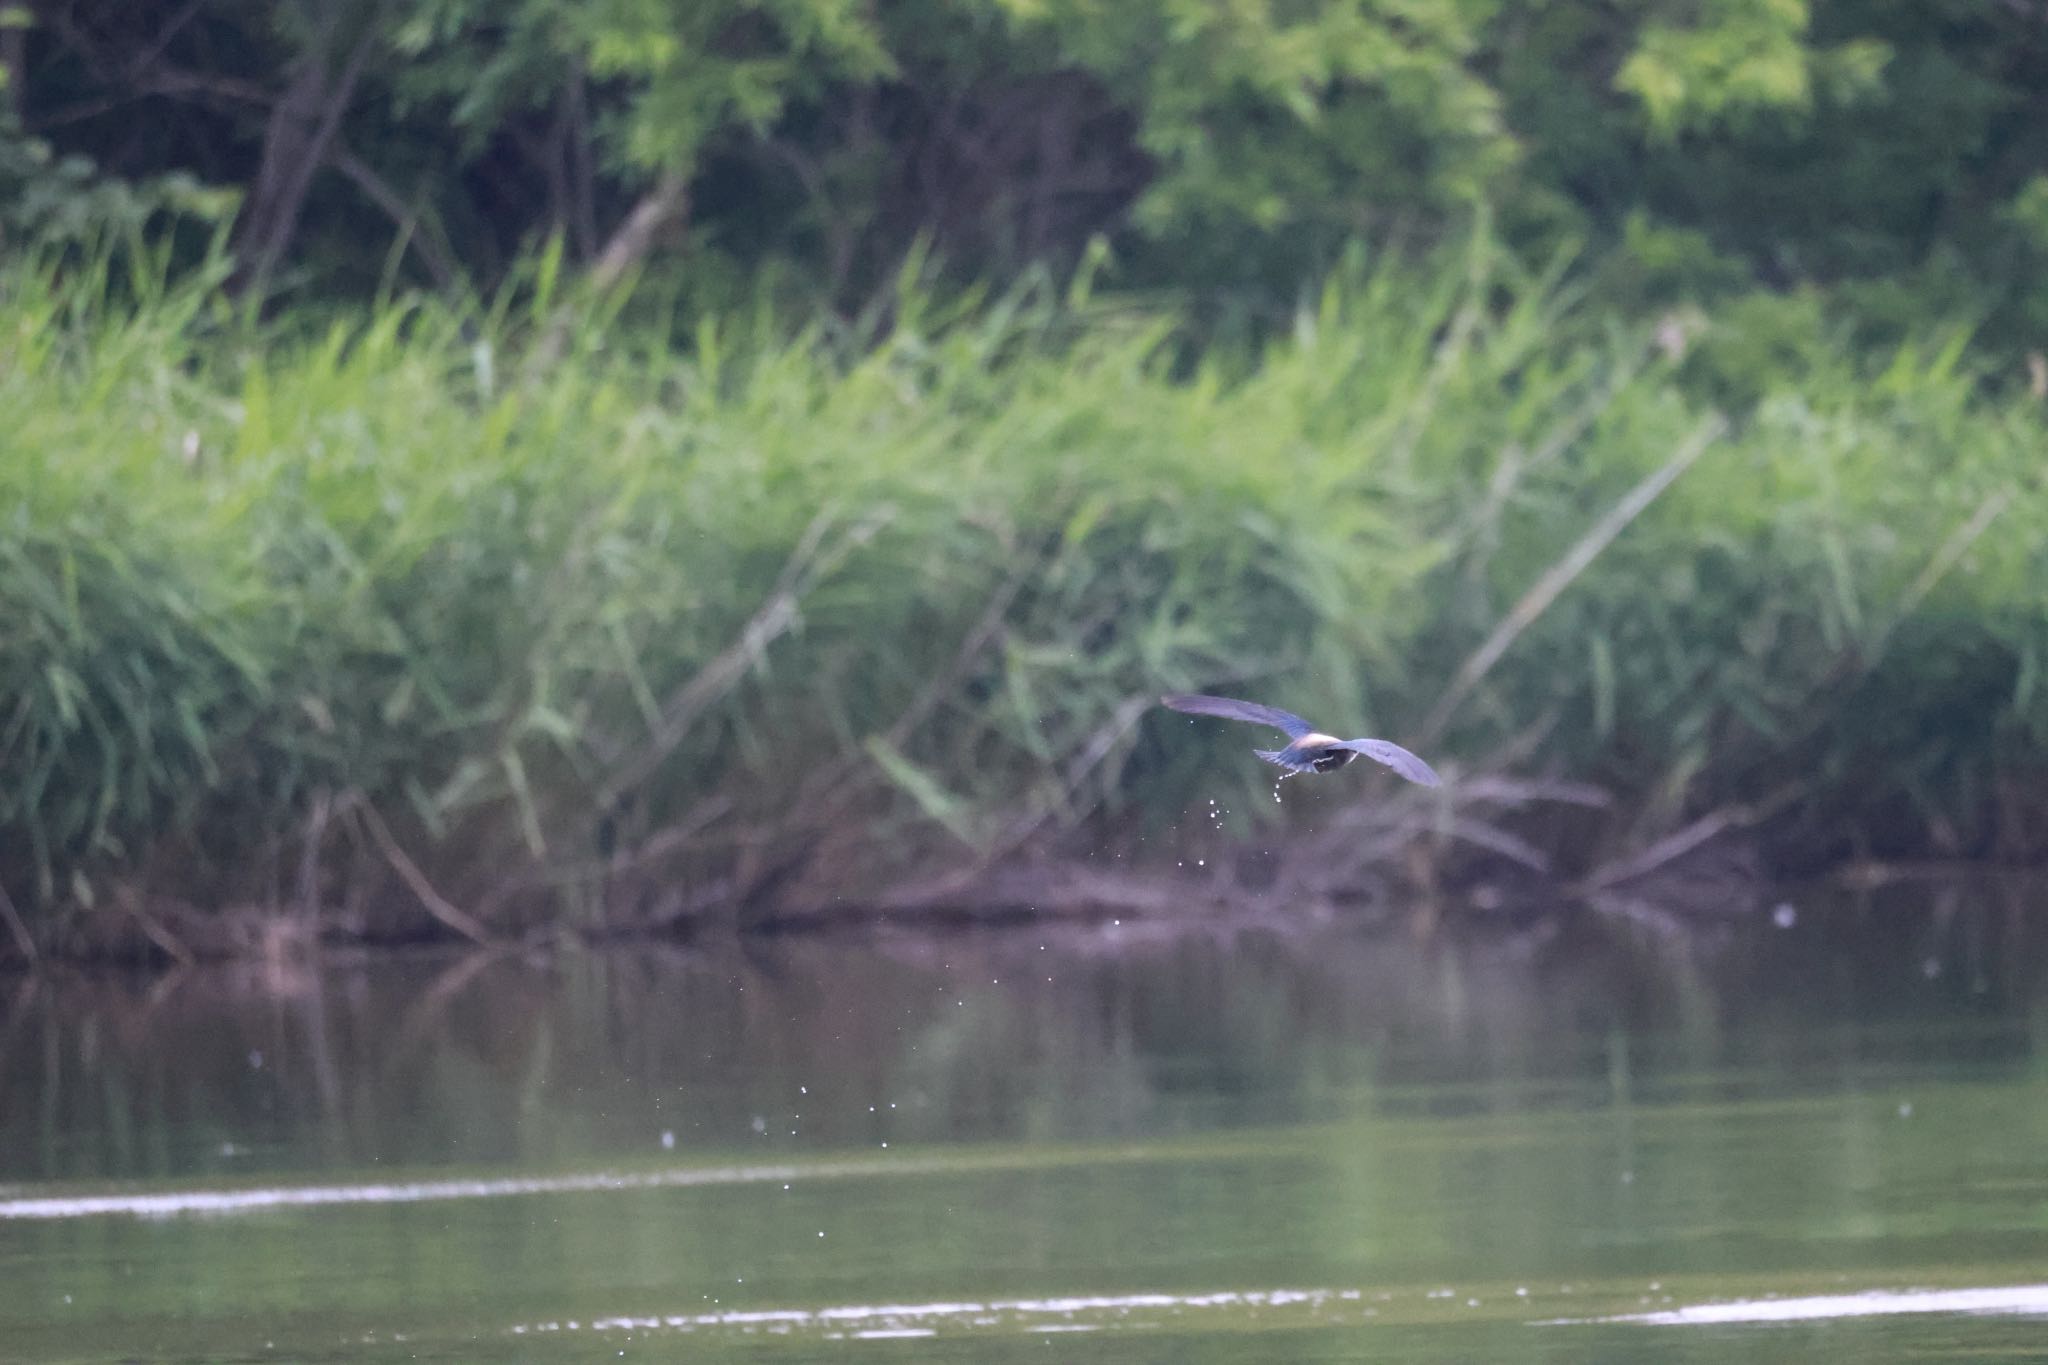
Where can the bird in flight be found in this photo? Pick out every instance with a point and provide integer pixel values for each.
(1308, 750)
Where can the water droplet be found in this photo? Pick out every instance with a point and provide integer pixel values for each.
(1784, 916)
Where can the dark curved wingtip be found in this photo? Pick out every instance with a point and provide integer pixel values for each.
(1230, 708)
(1399, 759)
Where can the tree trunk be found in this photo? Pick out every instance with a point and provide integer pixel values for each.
(296, 143)
(13, 48)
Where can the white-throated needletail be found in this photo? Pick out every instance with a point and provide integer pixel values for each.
(1309, 750)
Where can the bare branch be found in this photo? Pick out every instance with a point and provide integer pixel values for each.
(23, 940)
(1681, 842)
(629, 245)
(1560, 575)
(1945, 558)
(303, 124)
(439, 906)
(150, 55)
(1497, 840)
(379, 191)
(774, 618)
(309, 853)
(668, 201)
(153, 928)
(582, 170)
(13, 66)
(1511, 791)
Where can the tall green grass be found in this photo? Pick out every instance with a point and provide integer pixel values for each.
(449, 606)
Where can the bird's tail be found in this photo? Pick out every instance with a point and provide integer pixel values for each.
(1280, 758)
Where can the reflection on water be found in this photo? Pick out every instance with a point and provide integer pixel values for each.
(1254, 1141)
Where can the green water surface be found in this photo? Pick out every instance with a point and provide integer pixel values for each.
(1128, 1143)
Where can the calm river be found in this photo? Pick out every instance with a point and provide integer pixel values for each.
(1817, 1136)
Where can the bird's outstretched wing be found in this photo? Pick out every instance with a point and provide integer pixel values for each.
(1230, 709)
(1395, 757)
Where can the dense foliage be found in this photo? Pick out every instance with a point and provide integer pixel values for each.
(1225, 150)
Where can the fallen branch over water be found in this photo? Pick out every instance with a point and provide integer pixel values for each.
(436, 904)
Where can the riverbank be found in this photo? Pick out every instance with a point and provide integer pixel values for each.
(471, 623)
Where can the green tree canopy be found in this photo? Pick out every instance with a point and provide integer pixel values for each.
(1218, 145)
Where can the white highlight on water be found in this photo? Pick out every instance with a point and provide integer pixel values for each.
(2020, 1300)
(220, 1202)
(927, 1319)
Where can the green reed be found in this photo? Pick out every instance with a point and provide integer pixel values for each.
(547, 615)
